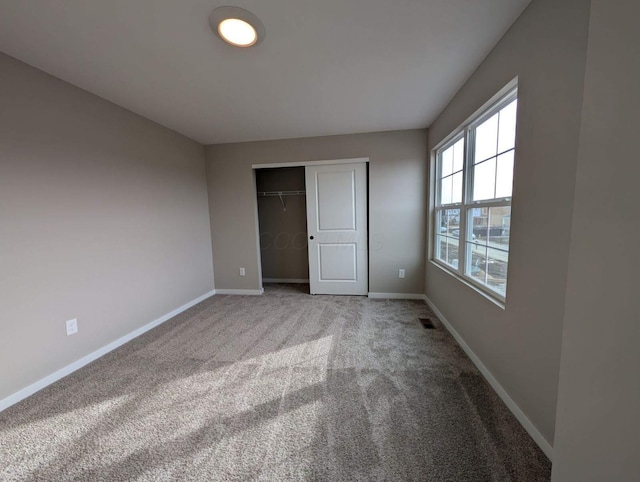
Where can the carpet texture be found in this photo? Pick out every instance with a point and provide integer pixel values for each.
(284, 386)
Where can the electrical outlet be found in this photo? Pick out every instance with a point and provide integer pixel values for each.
(401, 273)
(242, 272)
(72, 327)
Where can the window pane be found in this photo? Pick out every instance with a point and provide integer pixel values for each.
(458, 155)
(491, 226)
(479, 220)
(497, 264)
(499, 227)
(477, 262)
(486, 139)
(447, 162)
(441, 248)
(456, 193)
(445, 190)
(507, 135)
(452, 252)
(504, 176)
(447, 250)
(448, 219)
(484, 180)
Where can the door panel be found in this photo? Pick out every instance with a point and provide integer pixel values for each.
(338, 262)
(337, 226)
(336, 207)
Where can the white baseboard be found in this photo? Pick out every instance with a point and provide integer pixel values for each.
(285, 280)
(240, 292)
(396, 296)
(538, 438)
(63, 372)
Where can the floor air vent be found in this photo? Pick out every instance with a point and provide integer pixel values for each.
(426, 323)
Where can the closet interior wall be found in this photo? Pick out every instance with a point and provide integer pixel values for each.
(283, 224)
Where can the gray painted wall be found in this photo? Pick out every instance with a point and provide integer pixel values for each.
(598, 424)
(397, 203)
(283, 234)
(103, 217)
(520, 345)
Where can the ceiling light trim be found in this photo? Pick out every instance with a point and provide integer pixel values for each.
(228, 12)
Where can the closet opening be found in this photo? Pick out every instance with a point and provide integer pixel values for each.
(282, 223)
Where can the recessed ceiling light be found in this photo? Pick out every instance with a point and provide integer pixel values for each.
(237, 32)
(236, 26)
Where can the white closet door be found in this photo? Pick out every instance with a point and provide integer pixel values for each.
(337, 226)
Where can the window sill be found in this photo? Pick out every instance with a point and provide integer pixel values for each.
(484, 294)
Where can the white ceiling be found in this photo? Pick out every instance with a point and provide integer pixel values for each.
(325, 66)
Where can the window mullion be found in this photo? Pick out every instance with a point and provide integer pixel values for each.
(436, 232)
(467, 193)
(462, 241)
(495, 174)
(437, 175)
(469, 159)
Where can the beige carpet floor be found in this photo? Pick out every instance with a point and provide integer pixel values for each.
(284, 386)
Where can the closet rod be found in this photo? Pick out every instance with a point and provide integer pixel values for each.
(281, 193)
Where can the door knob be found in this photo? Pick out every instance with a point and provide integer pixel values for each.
(310, 237)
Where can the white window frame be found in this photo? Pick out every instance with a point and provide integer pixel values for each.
(467, 131)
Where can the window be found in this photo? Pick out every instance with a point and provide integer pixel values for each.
(474, 180)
